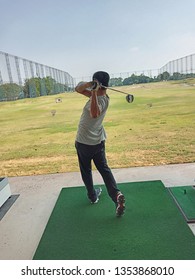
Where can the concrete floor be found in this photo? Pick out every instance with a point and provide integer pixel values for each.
(22, 226)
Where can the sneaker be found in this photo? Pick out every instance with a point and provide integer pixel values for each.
(98, 193)
(120, 205)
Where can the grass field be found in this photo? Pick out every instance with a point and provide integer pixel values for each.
(158, 128)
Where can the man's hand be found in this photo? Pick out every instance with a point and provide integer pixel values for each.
(86, 88)
(95, 85)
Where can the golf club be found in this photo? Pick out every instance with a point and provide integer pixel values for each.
(129, 97)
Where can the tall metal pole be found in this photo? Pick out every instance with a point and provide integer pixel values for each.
(25, 68)
(18, 70)
(1, 79)
(8, 67)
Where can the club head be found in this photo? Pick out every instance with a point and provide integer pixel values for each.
(129, 98)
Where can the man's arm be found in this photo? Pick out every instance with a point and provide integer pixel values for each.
(94, 109)
(82, 88)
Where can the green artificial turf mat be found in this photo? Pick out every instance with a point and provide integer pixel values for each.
(185, 199)
(152, 228)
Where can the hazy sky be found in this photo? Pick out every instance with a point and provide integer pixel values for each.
(83, 36)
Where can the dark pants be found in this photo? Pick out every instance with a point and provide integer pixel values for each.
(87, 153)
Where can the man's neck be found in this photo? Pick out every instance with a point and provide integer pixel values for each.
(101, 92)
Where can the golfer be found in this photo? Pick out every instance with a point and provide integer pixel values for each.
(90, 140)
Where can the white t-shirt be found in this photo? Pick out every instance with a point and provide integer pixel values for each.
(90, 130)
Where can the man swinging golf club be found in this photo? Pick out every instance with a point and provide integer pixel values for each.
(90, 140)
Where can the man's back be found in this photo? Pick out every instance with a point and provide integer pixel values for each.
(90, 130)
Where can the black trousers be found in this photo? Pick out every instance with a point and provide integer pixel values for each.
(87, 153)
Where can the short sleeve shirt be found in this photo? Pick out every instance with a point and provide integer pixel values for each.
(91, 130)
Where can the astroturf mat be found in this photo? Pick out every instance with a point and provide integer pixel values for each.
(185, 200)
(152, 228)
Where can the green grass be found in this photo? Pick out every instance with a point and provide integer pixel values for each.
(35, 142)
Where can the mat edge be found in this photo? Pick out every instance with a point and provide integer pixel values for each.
(179, 207)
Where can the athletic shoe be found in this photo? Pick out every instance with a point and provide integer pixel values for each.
(98, 193)
(120, 205)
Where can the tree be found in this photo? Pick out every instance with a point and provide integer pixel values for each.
(128, 81)
(116, 82)
(176, 76)
(31, 87)
(9, 91)
(166, 76)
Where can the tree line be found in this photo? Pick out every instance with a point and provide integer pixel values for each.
(33, 87)
(139, 79)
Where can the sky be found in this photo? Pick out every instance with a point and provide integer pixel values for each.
(84, 36)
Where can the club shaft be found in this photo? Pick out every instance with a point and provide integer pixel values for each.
(116, 90)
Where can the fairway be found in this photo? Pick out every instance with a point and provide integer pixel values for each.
(157, 128)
